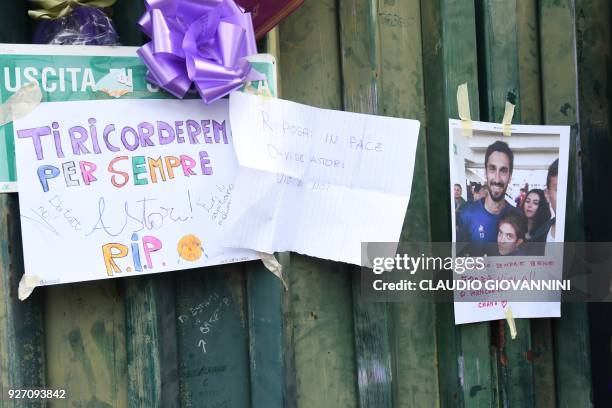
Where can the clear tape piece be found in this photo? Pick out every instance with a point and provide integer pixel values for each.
(21, 103)
(273, 266)
(463, 107)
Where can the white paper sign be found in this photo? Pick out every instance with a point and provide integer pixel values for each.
(123, 187)
(319, 182)
(509, 198)
(529, 274)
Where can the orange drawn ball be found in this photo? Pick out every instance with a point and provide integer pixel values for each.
(190, 248)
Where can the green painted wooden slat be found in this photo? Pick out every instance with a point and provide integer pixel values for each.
(361, 53)
(319, 291)
(151, 341)
(451, 394)
(372, 350)
(361, 73)
(572, 357)
(543, 363)
(477, 371)
(432, 20)
(560, 97)
(143, 348)
(495, 372)
(414, 348)
(22, 351)
(594, 46)
(529, 61)
(516, 365)
(265, 294)
(212, 337)
(380, 77)
(499, 56)
(449, 55)
(321, 315)
(288, 350)
(560, 107)
(402, 95)
(531, 113)
(85, 340)
(593, 54)
(413, 335)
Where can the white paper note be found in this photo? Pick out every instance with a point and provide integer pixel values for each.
(525, 163)
(128, 187)
(318, 182)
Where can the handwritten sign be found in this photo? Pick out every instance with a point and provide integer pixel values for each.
(67, 73)
(508, 196)
(117, 187)
(530, 286)
(80, 72)
(319, 182)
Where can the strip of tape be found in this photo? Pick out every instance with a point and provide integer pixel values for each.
(27, 284)
(21, 103)
(463, 106)
(510, 320)
(273, 266)
(507, 120)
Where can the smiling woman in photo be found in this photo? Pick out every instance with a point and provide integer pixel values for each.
(536, 209)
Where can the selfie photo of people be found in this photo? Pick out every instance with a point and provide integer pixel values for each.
(505, 190)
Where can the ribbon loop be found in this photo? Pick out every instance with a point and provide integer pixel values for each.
(204, 42)
(165, 40)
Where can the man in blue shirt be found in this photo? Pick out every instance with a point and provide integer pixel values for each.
(478, 220)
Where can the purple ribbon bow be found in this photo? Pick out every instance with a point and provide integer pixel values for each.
(201, 41)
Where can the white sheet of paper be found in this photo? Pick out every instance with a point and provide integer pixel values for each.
(466, 312)
(318, 182)
(66, 228)
(534, 149)
(477, 306)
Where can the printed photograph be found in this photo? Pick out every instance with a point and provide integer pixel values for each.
(508, 192)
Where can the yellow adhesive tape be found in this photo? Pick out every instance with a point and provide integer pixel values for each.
(21, 103)
(273, 266)
(27, 284)
(463, 106)
(510, 320)
(507, 120)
